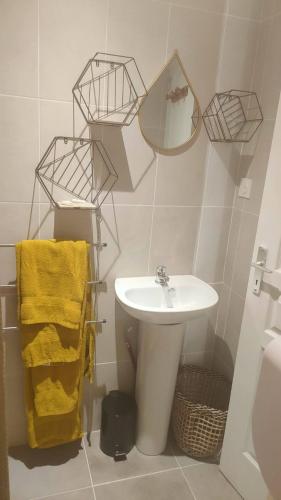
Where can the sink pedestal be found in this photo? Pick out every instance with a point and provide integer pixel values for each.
(158, 359)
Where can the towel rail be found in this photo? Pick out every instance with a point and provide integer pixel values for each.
(98, 282)
(90, 322)
(9, 245)
(92, 282)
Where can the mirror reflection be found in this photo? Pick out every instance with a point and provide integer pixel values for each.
(170, 114)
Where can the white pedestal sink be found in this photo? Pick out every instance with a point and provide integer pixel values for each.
(162, 311)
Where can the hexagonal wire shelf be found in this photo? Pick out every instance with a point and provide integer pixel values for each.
(233, 116)
(109, 89)
(77, 167)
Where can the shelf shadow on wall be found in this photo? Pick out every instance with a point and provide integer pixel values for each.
(112, 138)
(223, 358)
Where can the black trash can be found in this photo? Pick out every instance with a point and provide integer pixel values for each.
(118, 425)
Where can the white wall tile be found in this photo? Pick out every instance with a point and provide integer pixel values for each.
(56, 119)
(232, 245)
(212, 244)
(244, 253)
(252, 9)
(16, 421)
(224, 295)
(139, 29)
(197, 36)
(17, 222)
(70, 33)
(208, 5)
(18, 47)
(238, 55)
(180, 179)
(133, 160)
(271, 8)
(233, 324)
(173, 239)
(200, 332)
(126, 230)
(254, 163)
(120, 328)
(268, 69)
(19, 149)
(221, 175)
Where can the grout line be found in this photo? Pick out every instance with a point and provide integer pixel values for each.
(206, 11)
(60, 493)
(167, 206)
(168, 31)
(152, 214)
(137, 477)
(234, 292)
(36, 98)
(228, 243)
(89, 469)
(272, 17)
(222, 46)
(188, 484)
(107, 25)
(17, 202)
(232, 277)
(157, 159)
(188, 7)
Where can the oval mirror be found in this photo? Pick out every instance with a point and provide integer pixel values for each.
(169, 114)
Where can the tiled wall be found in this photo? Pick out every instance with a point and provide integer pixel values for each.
(265, 78)
(171, 210)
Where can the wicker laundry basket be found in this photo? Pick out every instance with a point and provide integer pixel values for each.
(200, 411)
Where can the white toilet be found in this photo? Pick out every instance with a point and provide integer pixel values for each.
(267, 419)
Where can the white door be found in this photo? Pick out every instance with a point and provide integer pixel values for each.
(261, 323)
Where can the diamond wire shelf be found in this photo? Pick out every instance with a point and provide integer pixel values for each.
(233, 116)
(78, 167)
(109, 90)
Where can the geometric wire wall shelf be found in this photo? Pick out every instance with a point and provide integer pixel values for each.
(109, 89)
(76, 168)
(233, 116)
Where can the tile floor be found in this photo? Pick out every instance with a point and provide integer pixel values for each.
(83, 472)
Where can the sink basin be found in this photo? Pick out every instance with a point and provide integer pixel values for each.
(162, 311)
(184, 297)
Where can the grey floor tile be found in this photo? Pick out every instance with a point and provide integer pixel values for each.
(39, 473)
(86, 494)
(207, 483)
(162, 486)
(104, 469)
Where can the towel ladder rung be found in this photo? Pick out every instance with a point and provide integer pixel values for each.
(11, 245)
(98, 282)
(90, 322)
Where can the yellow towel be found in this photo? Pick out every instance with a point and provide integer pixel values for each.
(52, 281)
(51, 278)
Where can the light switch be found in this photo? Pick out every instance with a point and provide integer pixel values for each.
(245, 188)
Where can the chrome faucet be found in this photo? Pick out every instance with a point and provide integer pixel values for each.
(161, 276)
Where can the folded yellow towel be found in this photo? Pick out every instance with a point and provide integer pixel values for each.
(52, 281)
(55, 388)
(51, 278)
(49, 343)
(51, 430)
(53, 305)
